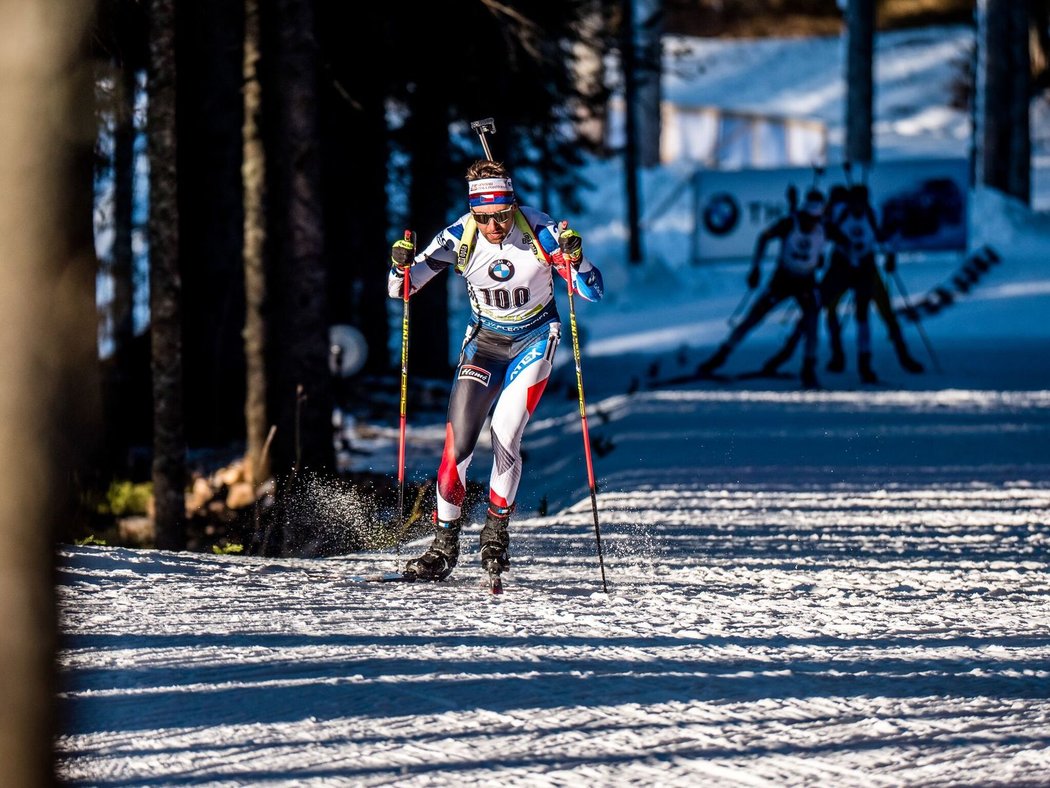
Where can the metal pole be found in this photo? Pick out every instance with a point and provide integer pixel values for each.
(917, 321)
(411, 237)
(731, 321)
(629, 63)
(583, 418)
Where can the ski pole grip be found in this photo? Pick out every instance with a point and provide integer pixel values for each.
(563, 225)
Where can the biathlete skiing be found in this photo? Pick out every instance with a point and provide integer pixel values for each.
(802, 237)
(507, 254)
(857, 240)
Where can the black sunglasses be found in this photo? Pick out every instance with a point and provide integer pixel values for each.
(498, 216)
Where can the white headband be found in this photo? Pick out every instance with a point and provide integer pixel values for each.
(490, 185)
(490, 191)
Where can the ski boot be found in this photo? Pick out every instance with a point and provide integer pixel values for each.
(809, 374)
(440, 558)
(867, 374)
(495, 544)
(714, 362)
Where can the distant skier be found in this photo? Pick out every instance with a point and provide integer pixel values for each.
(856, 240)
(855, 268)
(507, 253)
(802, 239)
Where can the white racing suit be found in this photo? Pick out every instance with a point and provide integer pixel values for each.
(509, 347)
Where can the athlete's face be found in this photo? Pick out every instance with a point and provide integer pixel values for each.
(494, 221)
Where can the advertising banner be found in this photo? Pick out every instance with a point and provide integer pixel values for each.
(920, 202)
(719, 137)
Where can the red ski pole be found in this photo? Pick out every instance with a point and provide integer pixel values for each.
(410, 237)
(583, 416)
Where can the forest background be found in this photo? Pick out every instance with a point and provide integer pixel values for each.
(296, 163)
(284, 155)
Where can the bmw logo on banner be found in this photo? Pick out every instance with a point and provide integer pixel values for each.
(501, 270)
(721, 214)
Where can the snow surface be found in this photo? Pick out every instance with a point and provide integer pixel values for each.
(839, 587)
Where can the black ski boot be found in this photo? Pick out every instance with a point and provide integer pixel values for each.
(495, 544)
(867, 374)
(837, 362)
(495, 541)
(440, 558)
(809, 374)
(714, 362)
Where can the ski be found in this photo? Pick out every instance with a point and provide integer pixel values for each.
(493, 581)
(385, 577)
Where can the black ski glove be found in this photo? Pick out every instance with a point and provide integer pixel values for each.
(401, 254)
(571, 244)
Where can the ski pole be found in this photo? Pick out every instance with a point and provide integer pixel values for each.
(583, 417)
(918, 322)
(410, 237)
(850, 301)
(731, 320)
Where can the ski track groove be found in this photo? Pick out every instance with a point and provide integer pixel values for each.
(845, 636)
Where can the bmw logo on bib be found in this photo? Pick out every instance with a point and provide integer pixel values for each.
(501, 270)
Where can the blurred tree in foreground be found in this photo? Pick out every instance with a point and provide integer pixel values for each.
(49, 383)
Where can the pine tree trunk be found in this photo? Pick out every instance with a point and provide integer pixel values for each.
(649, 68)
(860, 31)
(1020, 176)
(300, 337)
(1002, 116)
(48, 351)
(210, 98)
(253, 172)
(629, 65)
(169, 444)
(355, 179)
